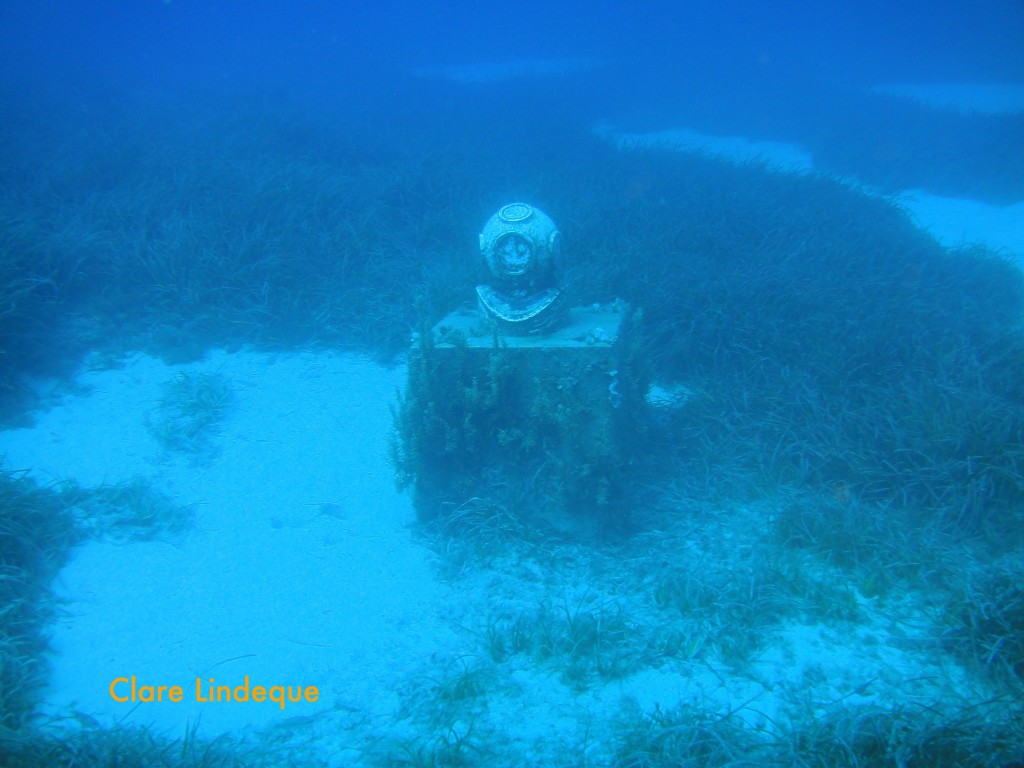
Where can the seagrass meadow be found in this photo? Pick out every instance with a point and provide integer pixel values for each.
(851, 442)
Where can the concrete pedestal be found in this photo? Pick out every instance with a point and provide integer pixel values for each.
(535, 425)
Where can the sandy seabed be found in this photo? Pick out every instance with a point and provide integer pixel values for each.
(303, 568)
(300, 568)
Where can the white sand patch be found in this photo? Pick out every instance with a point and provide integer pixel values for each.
(956, 221)
(300, 570)
(986, 98)
(737, 149)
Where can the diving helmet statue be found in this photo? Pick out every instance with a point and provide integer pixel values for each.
(521, 248)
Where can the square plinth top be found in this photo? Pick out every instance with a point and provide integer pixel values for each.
(596, 325)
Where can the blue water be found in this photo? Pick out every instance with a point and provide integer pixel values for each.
(155, 44)
(779, 71)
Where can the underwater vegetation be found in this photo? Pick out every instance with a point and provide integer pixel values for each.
(845, 370)
(36, 532)
(828, 341)
(985, 620)
(846, 738)
(84, 743)
(192, 406)
(129, 511)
